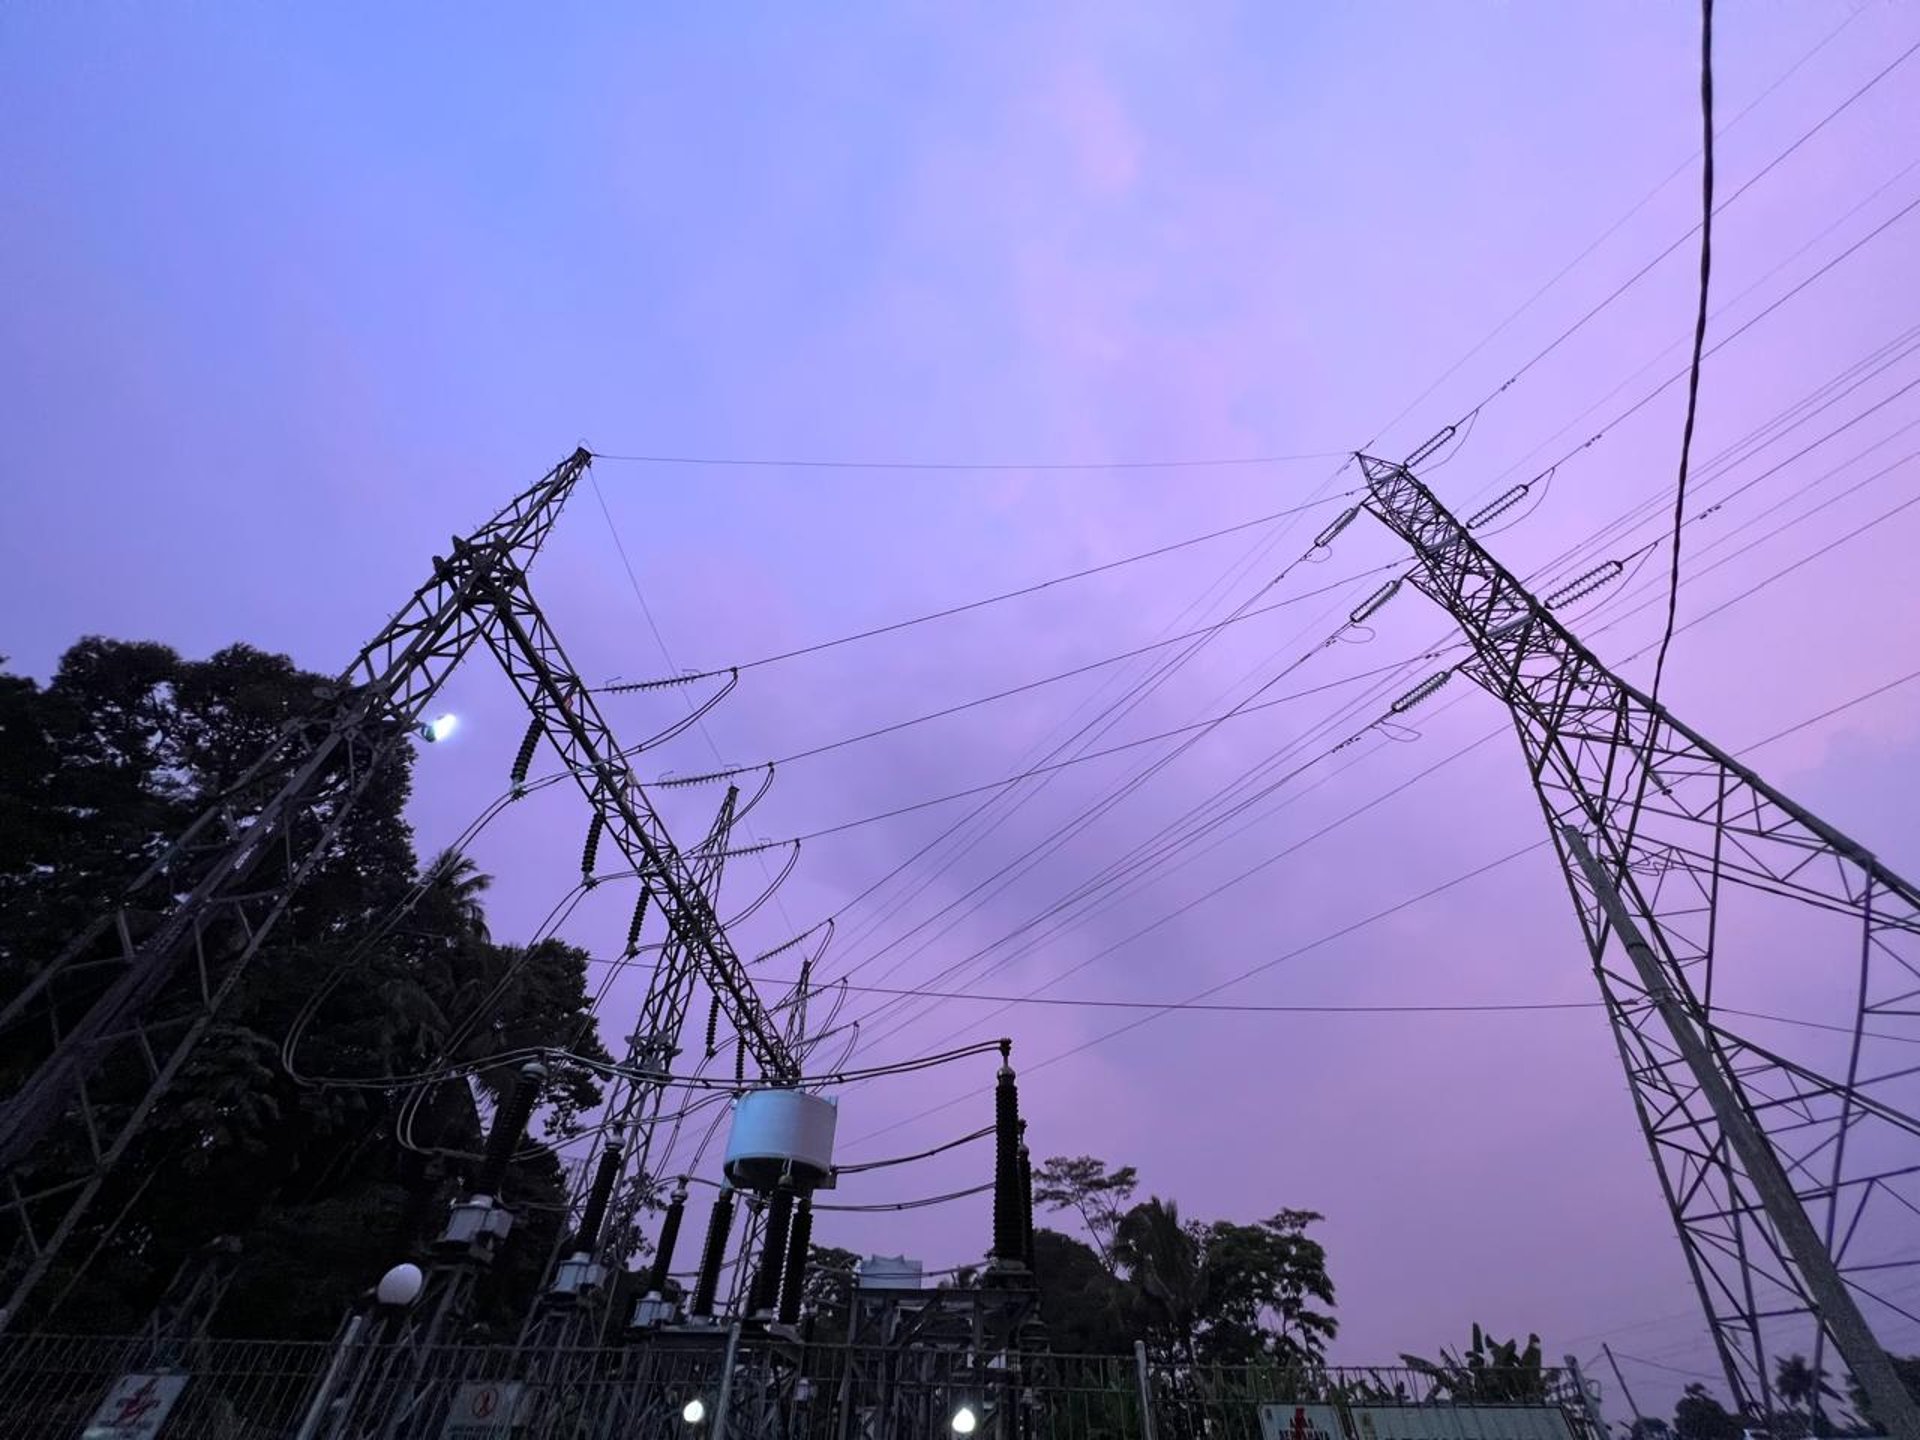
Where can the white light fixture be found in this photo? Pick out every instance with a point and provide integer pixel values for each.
(439, 728)
(694, 1411)
(400, 1286)
(964, 1420)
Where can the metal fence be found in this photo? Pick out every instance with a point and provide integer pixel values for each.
(368, 1386)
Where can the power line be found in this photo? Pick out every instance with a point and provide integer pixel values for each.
(1614, 229)
(1706, 224)
(1242, 876)
(1209, 723)
(1004, 595)
(982, 467)
(1693, 373)
(1352, 927)
(1233, 1007)
(1078, 670)
(633, 580)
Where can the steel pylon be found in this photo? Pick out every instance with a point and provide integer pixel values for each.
(1789, 1164)
(117, 1013)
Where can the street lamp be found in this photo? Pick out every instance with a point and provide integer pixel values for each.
(964, 1420)
(694, 1411)
(438, 728)
(401, 1285)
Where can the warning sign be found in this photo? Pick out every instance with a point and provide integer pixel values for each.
(1301, 1422)
(135, 1408)
(483, 1410)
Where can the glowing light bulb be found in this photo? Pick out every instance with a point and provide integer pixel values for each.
(964, 1420)
(440, 728)
(694, 1411)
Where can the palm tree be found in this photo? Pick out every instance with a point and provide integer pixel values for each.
(459, 884)
(1800, 1387)
(1160, 1256)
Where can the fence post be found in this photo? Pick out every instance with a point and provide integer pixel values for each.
(323, 1396)
(726, 1383)
(1146, 1389)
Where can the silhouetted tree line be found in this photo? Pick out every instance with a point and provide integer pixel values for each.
(1210, 1292)
(99, 769)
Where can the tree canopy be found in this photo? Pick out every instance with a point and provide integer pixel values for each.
(99, 769)
(1214, 1292)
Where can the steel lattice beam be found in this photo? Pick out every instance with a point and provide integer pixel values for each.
(188, 928)
(1659, 832)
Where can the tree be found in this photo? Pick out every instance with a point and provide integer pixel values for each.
(1800, 1387)
(1088, 1311)
(1699, 1416)
(1262, 1282)
(99, 769)
(1490, 1371)
(1162, 1258)
(1084, 1185)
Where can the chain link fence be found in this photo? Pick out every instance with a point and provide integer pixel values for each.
(711, 1385)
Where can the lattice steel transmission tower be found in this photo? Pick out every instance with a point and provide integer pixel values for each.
(1792, 1168)
(114, 1016)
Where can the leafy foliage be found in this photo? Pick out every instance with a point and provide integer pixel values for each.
(1088, 1310)
(1490, 1371)
(1084, 1185)
(1699, 1416)
(1224, 1293)
(99, 769)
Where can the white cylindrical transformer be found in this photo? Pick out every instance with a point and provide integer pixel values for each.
(781, 1133)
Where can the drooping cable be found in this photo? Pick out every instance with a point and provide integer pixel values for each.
(1693, 374)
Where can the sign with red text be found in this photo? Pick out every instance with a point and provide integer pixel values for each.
(136, 1407)
(1301, 1422)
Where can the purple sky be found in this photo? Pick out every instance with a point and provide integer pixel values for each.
(294, 296)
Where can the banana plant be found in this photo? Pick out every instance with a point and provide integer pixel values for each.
(1497, 1372)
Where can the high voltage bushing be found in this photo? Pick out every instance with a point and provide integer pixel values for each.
(799, 1242)
(715, 1251)
(669, 1237)
(773, 1255)
(598, 1197)
(508, 1126)
(1026, 1199)
(713, 1028)
(1007, 1222)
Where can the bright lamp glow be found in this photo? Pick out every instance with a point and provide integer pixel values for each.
(964, 1420)
(441, 727)
(401, 1285)
(694, 1411)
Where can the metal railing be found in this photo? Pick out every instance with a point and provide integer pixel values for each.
(709, 1385)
